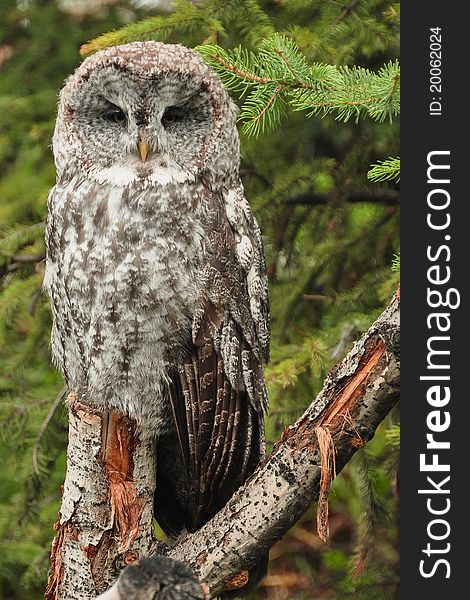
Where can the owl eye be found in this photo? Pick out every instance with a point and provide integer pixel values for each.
(173, 114)
(116, 115)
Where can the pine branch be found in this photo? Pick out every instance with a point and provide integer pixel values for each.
(13, 239)
(278, 77)
(47, 419)
(385, 170)
(16, 298)
(396, 263)
(187, 16)
(393, 436)
(347, 11)
(371, 509)
(205, 19)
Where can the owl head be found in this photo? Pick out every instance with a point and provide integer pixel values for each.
(145, 113)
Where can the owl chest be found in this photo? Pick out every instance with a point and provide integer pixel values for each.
(126, 257)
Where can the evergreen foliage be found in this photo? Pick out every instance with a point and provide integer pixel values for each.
(330, 226)
(385, 170)
(278, 77)
(208, 20)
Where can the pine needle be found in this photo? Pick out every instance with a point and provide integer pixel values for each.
(44, 426)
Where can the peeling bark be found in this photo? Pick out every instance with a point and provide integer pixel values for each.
(105, 520)
(106, 513)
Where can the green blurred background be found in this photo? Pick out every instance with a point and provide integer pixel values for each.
(330, 239)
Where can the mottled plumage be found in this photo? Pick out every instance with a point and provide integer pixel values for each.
(155, 268)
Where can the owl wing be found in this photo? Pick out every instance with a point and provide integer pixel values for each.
(218, 394)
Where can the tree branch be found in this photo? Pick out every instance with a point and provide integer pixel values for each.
(356, 396)
(347, 11)
(386, 197)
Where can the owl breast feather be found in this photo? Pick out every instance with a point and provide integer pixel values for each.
(123, 275)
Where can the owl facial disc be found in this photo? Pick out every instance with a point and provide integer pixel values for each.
(145, 114)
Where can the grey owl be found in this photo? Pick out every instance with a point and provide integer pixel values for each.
(155, 269)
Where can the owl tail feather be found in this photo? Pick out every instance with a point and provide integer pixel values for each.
(216, 443)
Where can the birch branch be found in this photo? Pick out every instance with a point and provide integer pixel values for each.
(356, 396)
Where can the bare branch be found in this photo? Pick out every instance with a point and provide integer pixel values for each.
(27, 258)
(357, 395)
(347, 11)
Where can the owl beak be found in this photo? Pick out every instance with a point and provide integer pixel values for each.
(143, 149)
